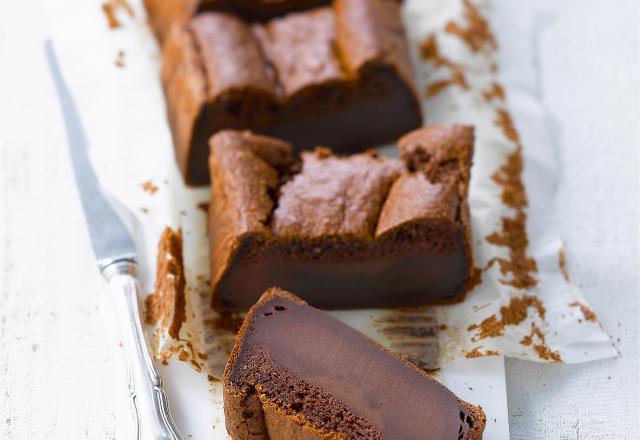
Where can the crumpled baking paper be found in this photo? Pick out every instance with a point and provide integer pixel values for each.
(525, 305)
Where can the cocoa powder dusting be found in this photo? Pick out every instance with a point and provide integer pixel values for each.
(430, 52)
(588, 314)
(110, 9)
(517, 271)
(476, 32)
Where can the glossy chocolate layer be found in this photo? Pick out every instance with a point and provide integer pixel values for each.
(358, 231)
(308, 78)
(346, 280)
(314, 371)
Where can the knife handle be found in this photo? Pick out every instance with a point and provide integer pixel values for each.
(149, 400)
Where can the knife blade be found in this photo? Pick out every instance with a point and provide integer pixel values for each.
(115, 252)
(109, 237)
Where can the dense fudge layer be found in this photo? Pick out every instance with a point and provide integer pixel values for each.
(298, 373)
(336, 76)
(341, 231)
(163, 14)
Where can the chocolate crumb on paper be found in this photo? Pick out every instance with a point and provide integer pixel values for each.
(111, 8)
(495, 92)
(149, 187)
(546, 354)
(513, 314)
(476, 32)
(204, 207)
(519, 269)
(476, 353)
(119, 62)
(588, 314)
(430, 52)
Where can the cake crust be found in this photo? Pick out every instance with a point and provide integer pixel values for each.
(274, 389)
(163, 14)
(342, 231)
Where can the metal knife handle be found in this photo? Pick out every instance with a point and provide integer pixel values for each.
(145, 385)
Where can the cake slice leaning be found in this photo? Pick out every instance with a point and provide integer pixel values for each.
(299, 373)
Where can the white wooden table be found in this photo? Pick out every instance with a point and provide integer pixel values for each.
(50, 290)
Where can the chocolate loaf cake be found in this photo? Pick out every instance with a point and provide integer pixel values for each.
(163, 14)
(298, 373)
(342, 232)
(337, 76)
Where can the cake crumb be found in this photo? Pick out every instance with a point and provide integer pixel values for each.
(110, 9)
(588, 314)
(149, 187)
(119, 62)
(153, 310)
(477, 32)
(204, 207)
(166, 305)
(429, 51)
(562, 263)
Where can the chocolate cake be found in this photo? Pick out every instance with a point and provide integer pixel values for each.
(165, 13)
(341, 231)
(298, 373)
(338, 76)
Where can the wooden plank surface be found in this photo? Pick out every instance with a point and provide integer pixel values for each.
(58, 361)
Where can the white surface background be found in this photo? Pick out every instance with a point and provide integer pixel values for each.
(57, 359)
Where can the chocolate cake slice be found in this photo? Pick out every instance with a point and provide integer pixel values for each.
(329, 76)
(353, 231)
(298, 373)
(163, 14)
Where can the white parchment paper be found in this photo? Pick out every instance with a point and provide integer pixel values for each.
(114, 77)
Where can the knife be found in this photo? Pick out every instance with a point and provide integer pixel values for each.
(115, 252)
